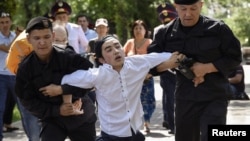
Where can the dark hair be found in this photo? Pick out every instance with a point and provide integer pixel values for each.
(82, 15)
(39, 23)
(98, 47)
(139, 22)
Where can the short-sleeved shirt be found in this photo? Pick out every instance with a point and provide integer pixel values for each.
(3, 55)
(240, 87)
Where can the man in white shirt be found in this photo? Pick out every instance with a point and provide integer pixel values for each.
(76, 37)
(118, 82)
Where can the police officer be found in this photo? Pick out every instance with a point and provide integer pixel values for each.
(167, 13)
(46, 65)
(61, 11)
(215, 51)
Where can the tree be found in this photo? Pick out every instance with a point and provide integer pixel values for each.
(235, 14)
(121, 13)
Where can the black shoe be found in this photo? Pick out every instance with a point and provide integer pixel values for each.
(171, 132)
(165, 124)
(9, 129)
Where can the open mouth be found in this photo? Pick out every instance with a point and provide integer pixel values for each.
(118, 58)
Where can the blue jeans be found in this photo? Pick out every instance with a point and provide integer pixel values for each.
(5, 85)
(148, 99)
(30, 123)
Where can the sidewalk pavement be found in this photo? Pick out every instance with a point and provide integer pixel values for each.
(238, 113)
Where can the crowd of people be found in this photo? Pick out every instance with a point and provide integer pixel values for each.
(64, 75)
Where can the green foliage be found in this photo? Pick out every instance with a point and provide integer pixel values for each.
(121, 13)
(16, 115)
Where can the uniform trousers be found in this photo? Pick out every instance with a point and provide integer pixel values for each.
(192, 118)
(54, 131)
(168, 83)
(138, 136)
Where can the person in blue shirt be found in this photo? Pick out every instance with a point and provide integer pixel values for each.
(83, 21)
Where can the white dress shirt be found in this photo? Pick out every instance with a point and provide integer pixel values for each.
(76, 38)
(118, 93)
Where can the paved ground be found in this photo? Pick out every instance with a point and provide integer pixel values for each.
(238, 113)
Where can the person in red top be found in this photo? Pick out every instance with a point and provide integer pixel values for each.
(138, 45)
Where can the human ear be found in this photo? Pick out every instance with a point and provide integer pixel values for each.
(101, 60)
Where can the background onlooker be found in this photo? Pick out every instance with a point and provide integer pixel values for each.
(61, 11)
(18, 30)
(102, 29)
(237, 81)
(138, 45)
(167, 13)
(7, 79)
(83, 21)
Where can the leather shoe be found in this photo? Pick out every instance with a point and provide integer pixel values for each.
(9, 129)
(171, 132)
(165, 124)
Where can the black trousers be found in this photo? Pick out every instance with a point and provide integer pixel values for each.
(56, 132)
(138, 136)
(192, 118)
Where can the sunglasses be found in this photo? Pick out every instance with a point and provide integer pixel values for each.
(3, 14)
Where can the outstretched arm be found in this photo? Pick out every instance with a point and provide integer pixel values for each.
(172, 62)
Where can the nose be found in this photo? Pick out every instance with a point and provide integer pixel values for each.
(188, 13)
(116, 50)
(42, 41)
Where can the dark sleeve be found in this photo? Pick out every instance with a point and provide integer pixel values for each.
(157, 45)
(75, 62)
(69, 49)
(30, 98)
(231, 50)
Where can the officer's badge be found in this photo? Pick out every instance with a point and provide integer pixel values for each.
(45, 23)
(165, 12)
(60, 4)
(163, 5)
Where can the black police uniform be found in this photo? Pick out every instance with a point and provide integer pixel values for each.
(208, 41)
(167, 13)
(34, 74)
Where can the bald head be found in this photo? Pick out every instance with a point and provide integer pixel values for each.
(61, 34)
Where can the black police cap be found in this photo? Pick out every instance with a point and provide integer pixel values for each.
(49, 16)
(185, 2)
(165, 6)
(61, 7)
(38, 23)
(166, 12)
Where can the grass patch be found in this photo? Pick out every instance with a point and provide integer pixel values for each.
(16, 115)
